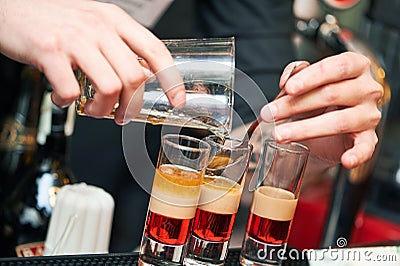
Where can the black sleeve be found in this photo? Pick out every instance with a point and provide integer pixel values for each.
(386, 11)
(262, 29)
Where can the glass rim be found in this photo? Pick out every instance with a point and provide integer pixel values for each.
(238, 146)
(291, 147)
(230, 40)
(203, 146)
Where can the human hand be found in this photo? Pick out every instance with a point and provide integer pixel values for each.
(103, 41)
(333, 107)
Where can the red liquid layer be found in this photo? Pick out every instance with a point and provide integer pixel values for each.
(267, 230)
(167, 230)
(213, 226)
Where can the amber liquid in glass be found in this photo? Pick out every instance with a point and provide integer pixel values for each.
(271, 215)
(268, 226)
(173, 204)
(218, 205)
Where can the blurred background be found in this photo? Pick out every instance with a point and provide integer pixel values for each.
(269, 35)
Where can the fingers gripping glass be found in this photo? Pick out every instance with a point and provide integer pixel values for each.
(207, 67)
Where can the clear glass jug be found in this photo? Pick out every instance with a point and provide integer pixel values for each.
(207, 67)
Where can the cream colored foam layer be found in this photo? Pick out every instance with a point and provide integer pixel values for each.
(220, 196)
(274, 203)
(173, 194)
(171, 210)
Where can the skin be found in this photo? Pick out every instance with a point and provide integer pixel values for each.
(98, 38)
(333, 106)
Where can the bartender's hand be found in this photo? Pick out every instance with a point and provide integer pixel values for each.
(60, 36)
(333, 105)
